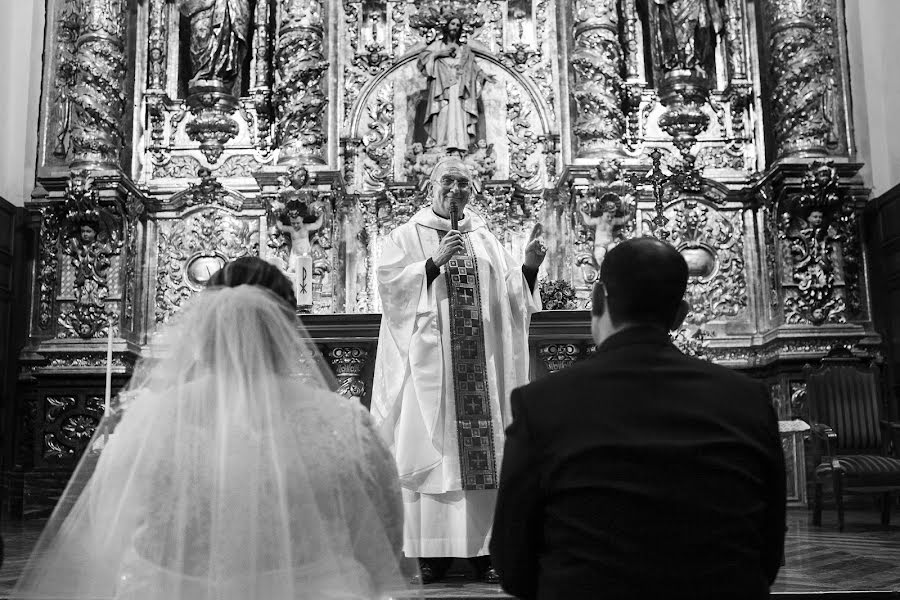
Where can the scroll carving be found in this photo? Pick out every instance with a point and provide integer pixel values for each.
(348, 363)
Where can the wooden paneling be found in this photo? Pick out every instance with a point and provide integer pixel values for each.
(883, 241)
(12, 317)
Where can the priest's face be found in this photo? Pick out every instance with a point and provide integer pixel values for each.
(454, 185)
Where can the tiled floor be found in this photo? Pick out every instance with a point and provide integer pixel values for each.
(865, 557)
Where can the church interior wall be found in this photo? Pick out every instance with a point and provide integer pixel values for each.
(873, 47)
(21, 36)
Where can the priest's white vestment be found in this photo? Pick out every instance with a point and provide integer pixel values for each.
(413, 396)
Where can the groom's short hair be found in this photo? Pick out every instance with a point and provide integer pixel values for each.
(644, 280)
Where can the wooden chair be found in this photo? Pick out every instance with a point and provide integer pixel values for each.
(851, 442)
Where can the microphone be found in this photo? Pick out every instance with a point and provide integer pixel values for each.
(454, 216)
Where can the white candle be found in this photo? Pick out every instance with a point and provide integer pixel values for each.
(109, 345)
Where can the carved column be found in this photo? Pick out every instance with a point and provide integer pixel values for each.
(261, 89)
(155, 94)
(802, 76)
(300, 96)
(348, 363)
(597, 68)
(98, 95)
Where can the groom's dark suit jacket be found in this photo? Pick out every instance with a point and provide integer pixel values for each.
(641, 473)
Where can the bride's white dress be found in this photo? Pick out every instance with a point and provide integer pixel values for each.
(346, 471)
(234, 473)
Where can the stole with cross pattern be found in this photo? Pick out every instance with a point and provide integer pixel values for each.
(474, 426)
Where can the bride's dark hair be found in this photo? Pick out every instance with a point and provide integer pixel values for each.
(250, 270)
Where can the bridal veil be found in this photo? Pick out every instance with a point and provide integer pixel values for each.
(234, 472)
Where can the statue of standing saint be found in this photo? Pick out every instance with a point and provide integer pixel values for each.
(688, 30)
(220, 32)
(455, 83)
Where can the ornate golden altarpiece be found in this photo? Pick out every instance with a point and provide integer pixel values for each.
(179, 134)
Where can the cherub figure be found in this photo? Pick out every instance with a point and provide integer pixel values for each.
(414, 162)
(606, 216)
(482, 160)
(302, 223)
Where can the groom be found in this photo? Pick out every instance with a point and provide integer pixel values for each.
(641, 472)
(453, 344)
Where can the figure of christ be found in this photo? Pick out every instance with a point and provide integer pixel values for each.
(453, 344)
(455, 83)
(302, 225)
(300, 261)
(603, 220)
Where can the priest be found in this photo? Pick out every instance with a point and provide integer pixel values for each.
(453, 344)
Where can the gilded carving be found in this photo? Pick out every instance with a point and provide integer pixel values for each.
(820, 250)
(157, 42)
(712, 243)
(300, 98)
(597, 69)
(92, 236)
(559, 355)
(209, 232)
(134, 208)
(522, 140)
(378, 141)
(802, 74)
(51, 218)
(98, 94)
(68, 23)
(348, 363)
(734, 40)
(69, 424)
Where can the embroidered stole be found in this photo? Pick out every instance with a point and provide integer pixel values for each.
(474, 426)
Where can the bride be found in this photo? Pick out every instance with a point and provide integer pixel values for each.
(234, 473)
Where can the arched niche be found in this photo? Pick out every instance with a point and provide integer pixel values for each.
(516, 116)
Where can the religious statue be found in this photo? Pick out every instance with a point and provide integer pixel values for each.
(815, 261)
(606, 217)
(90, 254)
(455, 83)
(688, 31)
(219, 38)
(303, 222)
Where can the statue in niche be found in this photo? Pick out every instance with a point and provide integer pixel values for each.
(416, 164)
(455, 84)
(482, 161)
(90, 251)
(303, 222)
(812, 245)
(219, 38)
(607, 217)
(688, 30)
